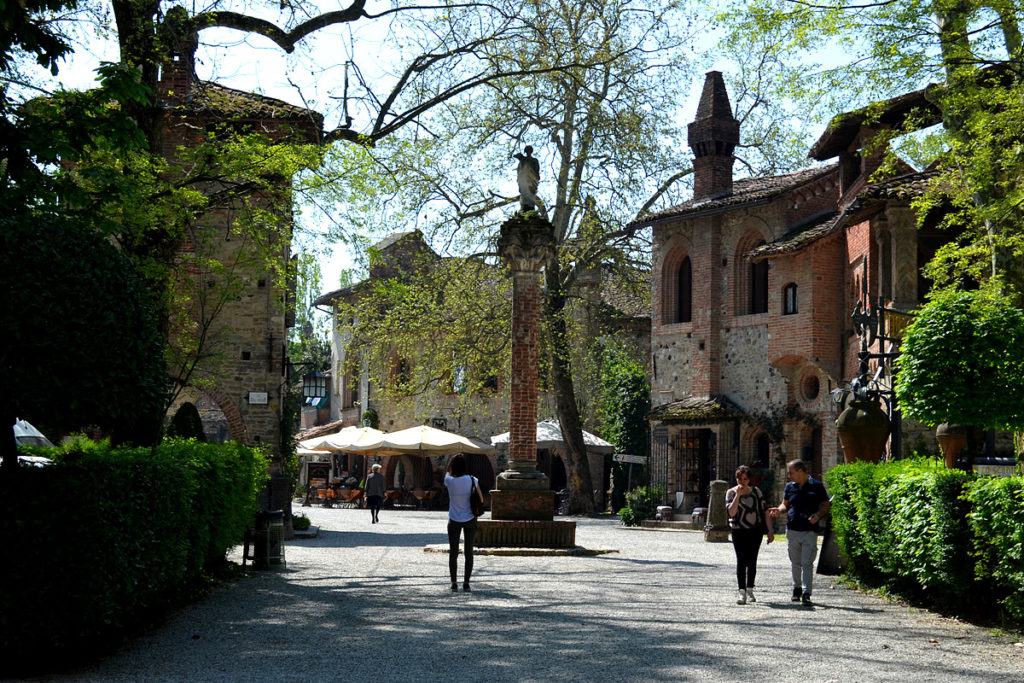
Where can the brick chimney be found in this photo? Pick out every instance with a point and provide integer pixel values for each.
(177, 72)
(713, 136)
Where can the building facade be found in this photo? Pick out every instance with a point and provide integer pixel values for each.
(481, 415)
(753, 285)
(240, 307)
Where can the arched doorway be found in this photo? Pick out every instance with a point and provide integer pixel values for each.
(222, 421)
(408, 472)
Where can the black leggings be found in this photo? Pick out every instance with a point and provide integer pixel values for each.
(454, 529)
(373, 502)
(746, 543)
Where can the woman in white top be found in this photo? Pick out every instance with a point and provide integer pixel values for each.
(460, 517)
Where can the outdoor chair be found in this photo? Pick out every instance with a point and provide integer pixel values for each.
(350, 497)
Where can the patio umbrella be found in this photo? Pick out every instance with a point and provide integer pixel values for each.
(423, 441)
(549, 435)
(342, 441)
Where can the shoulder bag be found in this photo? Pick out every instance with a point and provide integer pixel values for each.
(476, 500)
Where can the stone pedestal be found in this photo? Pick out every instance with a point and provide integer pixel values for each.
(525, 534)
(717, 529)
(536, 505)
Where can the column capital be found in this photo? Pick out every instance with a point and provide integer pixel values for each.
(526, 242)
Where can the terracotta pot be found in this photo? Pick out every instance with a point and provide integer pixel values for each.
(952, 440)
(863, 429)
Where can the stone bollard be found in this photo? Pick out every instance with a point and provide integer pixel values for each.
(717, 529)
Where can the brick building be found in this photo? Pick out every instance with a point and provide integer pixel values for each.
(240, 383)
(485, 413)
(753, 284)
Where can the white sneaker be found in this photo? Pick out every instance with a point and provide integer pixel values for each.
(742, 599)
(750, 595)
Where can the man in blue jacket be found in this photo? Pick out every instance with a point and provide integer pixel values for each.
(806, 502)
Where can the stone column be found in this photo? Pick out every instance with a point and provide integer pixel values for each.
(526, 245)
(904, 256)
(717, 529)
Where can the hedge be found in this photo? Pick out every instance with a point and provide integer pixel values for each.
(105, 540)
(942, 536)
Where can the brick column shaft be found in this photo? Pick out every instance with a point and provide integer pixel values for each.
(525, 337)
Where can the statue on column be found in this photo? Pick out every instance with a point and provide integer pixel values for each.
(528, 175)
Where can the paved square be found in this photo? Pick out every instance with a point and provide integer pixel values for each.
(364, 602)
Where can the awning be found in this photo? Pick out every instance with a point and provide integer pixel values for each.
(698, 410)
(423, 441)
(549, 435)
(351, 439)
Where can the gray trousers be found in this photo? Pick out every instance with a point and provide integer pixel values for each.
(803, 546)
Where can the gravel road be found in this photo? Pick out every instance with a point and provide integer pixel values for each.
(365, 602)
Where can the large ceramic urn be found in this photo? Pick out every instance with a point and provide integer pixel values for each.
(863, 430)
(952, 440)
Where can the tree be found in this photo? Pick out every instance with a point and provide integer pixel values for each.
(969, 54)
(611, 151)
(610, 156)
(105, 148)
(625, 403)
(962, 361)
(431, 333)
(80, 345)
(309, 344)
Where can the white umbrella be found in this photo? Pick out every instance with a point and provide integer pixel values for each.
(341, 440)
(27, 435)
(351, 439)
(424, 441)
(316, 443)
(549, 435)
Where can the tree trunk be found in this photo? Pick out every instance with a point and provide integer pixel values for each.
(9, 449)
(581, 489)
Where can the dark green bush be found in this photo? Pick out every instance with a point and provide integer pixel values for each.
(932, 533)
(641, 503)
(997, 525)
(105, 539)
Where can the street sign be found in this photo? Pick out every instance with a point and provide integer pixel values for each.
(632, 459)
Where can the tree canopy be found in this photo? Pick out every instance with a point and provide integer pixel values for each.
(969, 57)
(81, 346)
(963, 361)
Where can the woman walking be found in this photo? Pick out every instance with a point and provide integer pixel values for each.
(374, 490)
(461, 520)
(748, 520)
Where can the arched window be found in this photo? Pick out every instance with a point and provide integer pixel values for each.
(789, 299)
(751, 279)
(677, 288)
(684, 292)
(759, 287)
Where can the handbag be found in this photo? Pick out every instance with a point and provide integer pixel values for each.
(476, 500)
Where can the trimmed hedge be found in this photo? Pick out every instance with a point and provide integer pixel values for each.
(948, 538)
(106, 539)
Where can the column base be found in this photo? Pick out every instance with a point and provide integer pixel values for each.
(712, 535)
(523, 505)
(496, 533)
